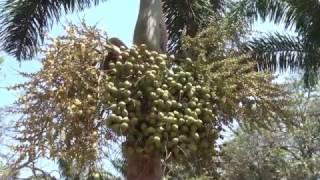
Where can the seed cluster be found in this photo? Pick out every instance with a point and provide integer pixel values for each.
(159, 106)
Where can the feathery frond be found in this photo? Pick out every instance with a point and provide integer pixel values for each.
(276, 51)
(25, 22)
(188, 17)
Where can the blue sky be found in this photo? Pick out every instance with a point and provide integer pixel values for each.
(117, 17)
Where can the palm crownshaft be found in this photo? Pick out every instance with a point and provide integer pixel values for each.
(150, 27)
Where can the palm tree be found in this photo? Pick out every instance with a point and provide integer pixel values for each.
(283, 51)
(24, 23)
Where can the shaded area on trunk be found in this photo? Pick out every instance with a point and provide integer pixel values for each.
(143, 167)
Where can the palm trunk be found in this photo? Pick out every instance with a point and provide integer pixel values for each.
(141, 167)
(150, 30)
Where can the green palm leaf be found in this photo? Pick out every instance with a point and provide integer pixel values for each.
(276, 51)
(25, 22)
(188, 17)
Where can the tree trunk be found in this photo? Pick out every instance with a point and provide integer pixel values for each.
(141, 167)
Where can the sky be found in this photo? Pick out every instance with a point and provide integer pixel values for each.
(116, 17)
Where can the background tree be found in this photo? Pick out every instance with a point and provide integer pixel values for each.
(284, 152)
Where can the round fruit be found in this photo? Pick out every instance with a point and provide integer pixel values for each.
(156, 140)
(124, 126)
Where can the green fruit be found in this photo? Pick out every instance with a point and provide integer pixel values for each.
(175, 127)
(112, 65)
(165, 95)
(159, 103)
(153, 95)
(196, 136)
(172, 120)
(151, 76)
(188, 74)
(127, 84)
(159, 91)
(179, 86)
(175, 141)
(96, 175)
(124, 113)
(125, 119)
(168, 104)
(118, 64)
(162, 65)
(122, 104)
(174, 103)
(176, 114)
(164, 86)
(207, 96)
(113, 90)
(190, 120)
(188, 86)
(183, 80)
(171, 114)
(115, 119)
(179, 105)
(160, 129)
(155, 67)
(198, 111)
(161, 116)
(198, 123)
(188, 111)
(124, 126)
(156, 140)
(192, 104)
(139, 94)
(128, 64)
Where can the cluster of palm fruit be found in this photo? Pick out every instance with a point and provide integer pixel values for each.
(159, 106)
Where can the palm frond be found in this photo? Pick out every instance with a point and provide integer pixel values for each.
(281, 52)
(275, 10)
(25, 22)
(188, 17)
(293, 13)
(276, 51)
